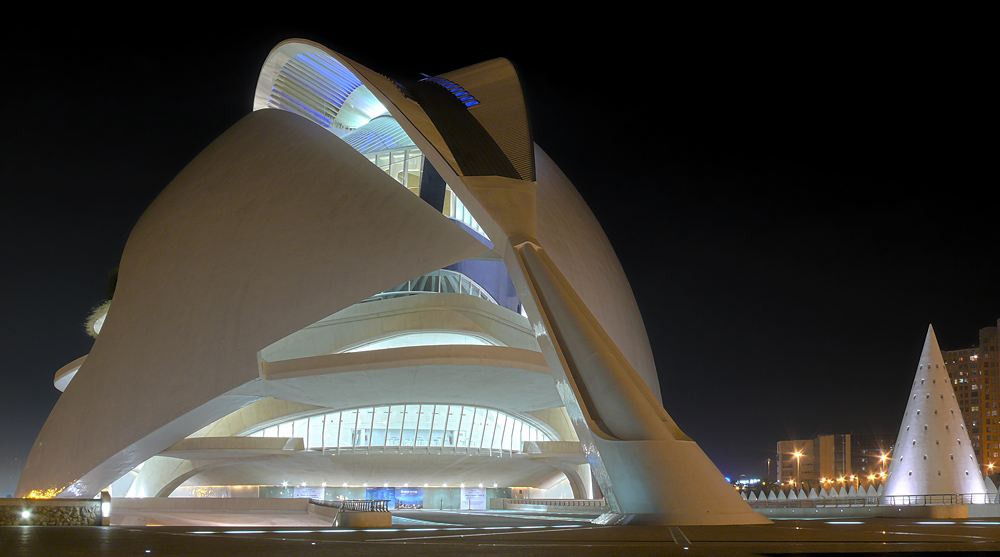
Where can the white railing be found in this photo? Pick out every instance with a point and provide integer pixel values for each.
(594, 503)
(868, 501)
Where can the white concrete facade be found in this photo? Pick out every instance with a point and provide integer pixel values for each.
(239, 299)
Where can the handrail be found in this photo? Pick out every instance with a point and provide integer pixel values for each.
(441, 281)
(869, 501)
(558, 502)
(365, 505)
(324, 503)
(938, 499)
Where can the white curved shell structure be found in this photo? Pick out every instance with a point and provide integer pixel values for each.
(387, 272)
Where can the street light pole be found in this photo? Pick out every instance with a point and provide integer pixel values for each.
(798, 463)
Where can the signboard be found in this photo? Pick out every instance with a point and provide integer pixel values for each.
(309, 492)
(409, 497)
(474, 498)
(383, 494)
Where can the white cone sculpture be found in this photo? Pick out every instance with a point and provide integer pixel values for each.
(933, 454)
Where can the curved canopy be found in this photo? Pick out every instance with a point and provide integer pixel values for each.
(380, 134)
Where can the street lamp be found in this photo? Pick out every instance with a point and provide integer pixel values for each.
(798, 463)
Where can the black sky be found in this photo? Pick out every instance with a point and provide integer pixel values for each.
(795, 197)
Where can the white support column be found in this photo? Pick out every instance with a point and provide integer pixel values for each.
(645, 465)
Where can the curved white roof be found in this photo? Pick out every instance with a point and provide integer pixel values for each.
(278, 224)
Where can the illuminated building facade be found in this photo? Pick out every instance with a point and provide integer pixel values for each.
(374, 282)
(809, 461)
(975, 377)
(870, 453)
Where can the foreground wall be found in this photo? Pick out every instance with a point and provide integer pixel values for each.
(48, 512)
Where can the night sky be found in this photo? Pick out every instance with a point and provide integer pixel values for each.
(794, 199)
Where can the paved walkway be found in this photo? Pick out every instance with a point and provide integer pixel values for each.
(434, 533)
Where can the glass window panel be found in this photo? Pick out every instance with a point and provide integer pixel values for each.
(315, 438)
(362, 437)
(506, 442)
(424, 425)
(395, 425)
(468, 423)
(414, 161)
(501, 426)
(410, 425)
(435, 425)
(300, 428)
(332, 430)
(438, 424)
(348, 422)
(397, 169)
(449, 206)
(476, 435)
(489, 428)
(451, 426)
(450, 282)
(381, 424)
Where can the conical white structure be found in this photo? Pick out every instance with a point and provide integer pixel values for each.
(933, 453)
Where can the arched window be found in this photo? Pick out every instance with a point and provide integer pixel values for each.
(428, 428)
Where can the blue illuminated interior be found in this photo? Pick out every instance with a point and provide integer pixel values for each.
(453, 88)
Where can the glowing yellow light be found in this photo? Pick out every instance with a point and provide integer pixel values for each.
(47, 494)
